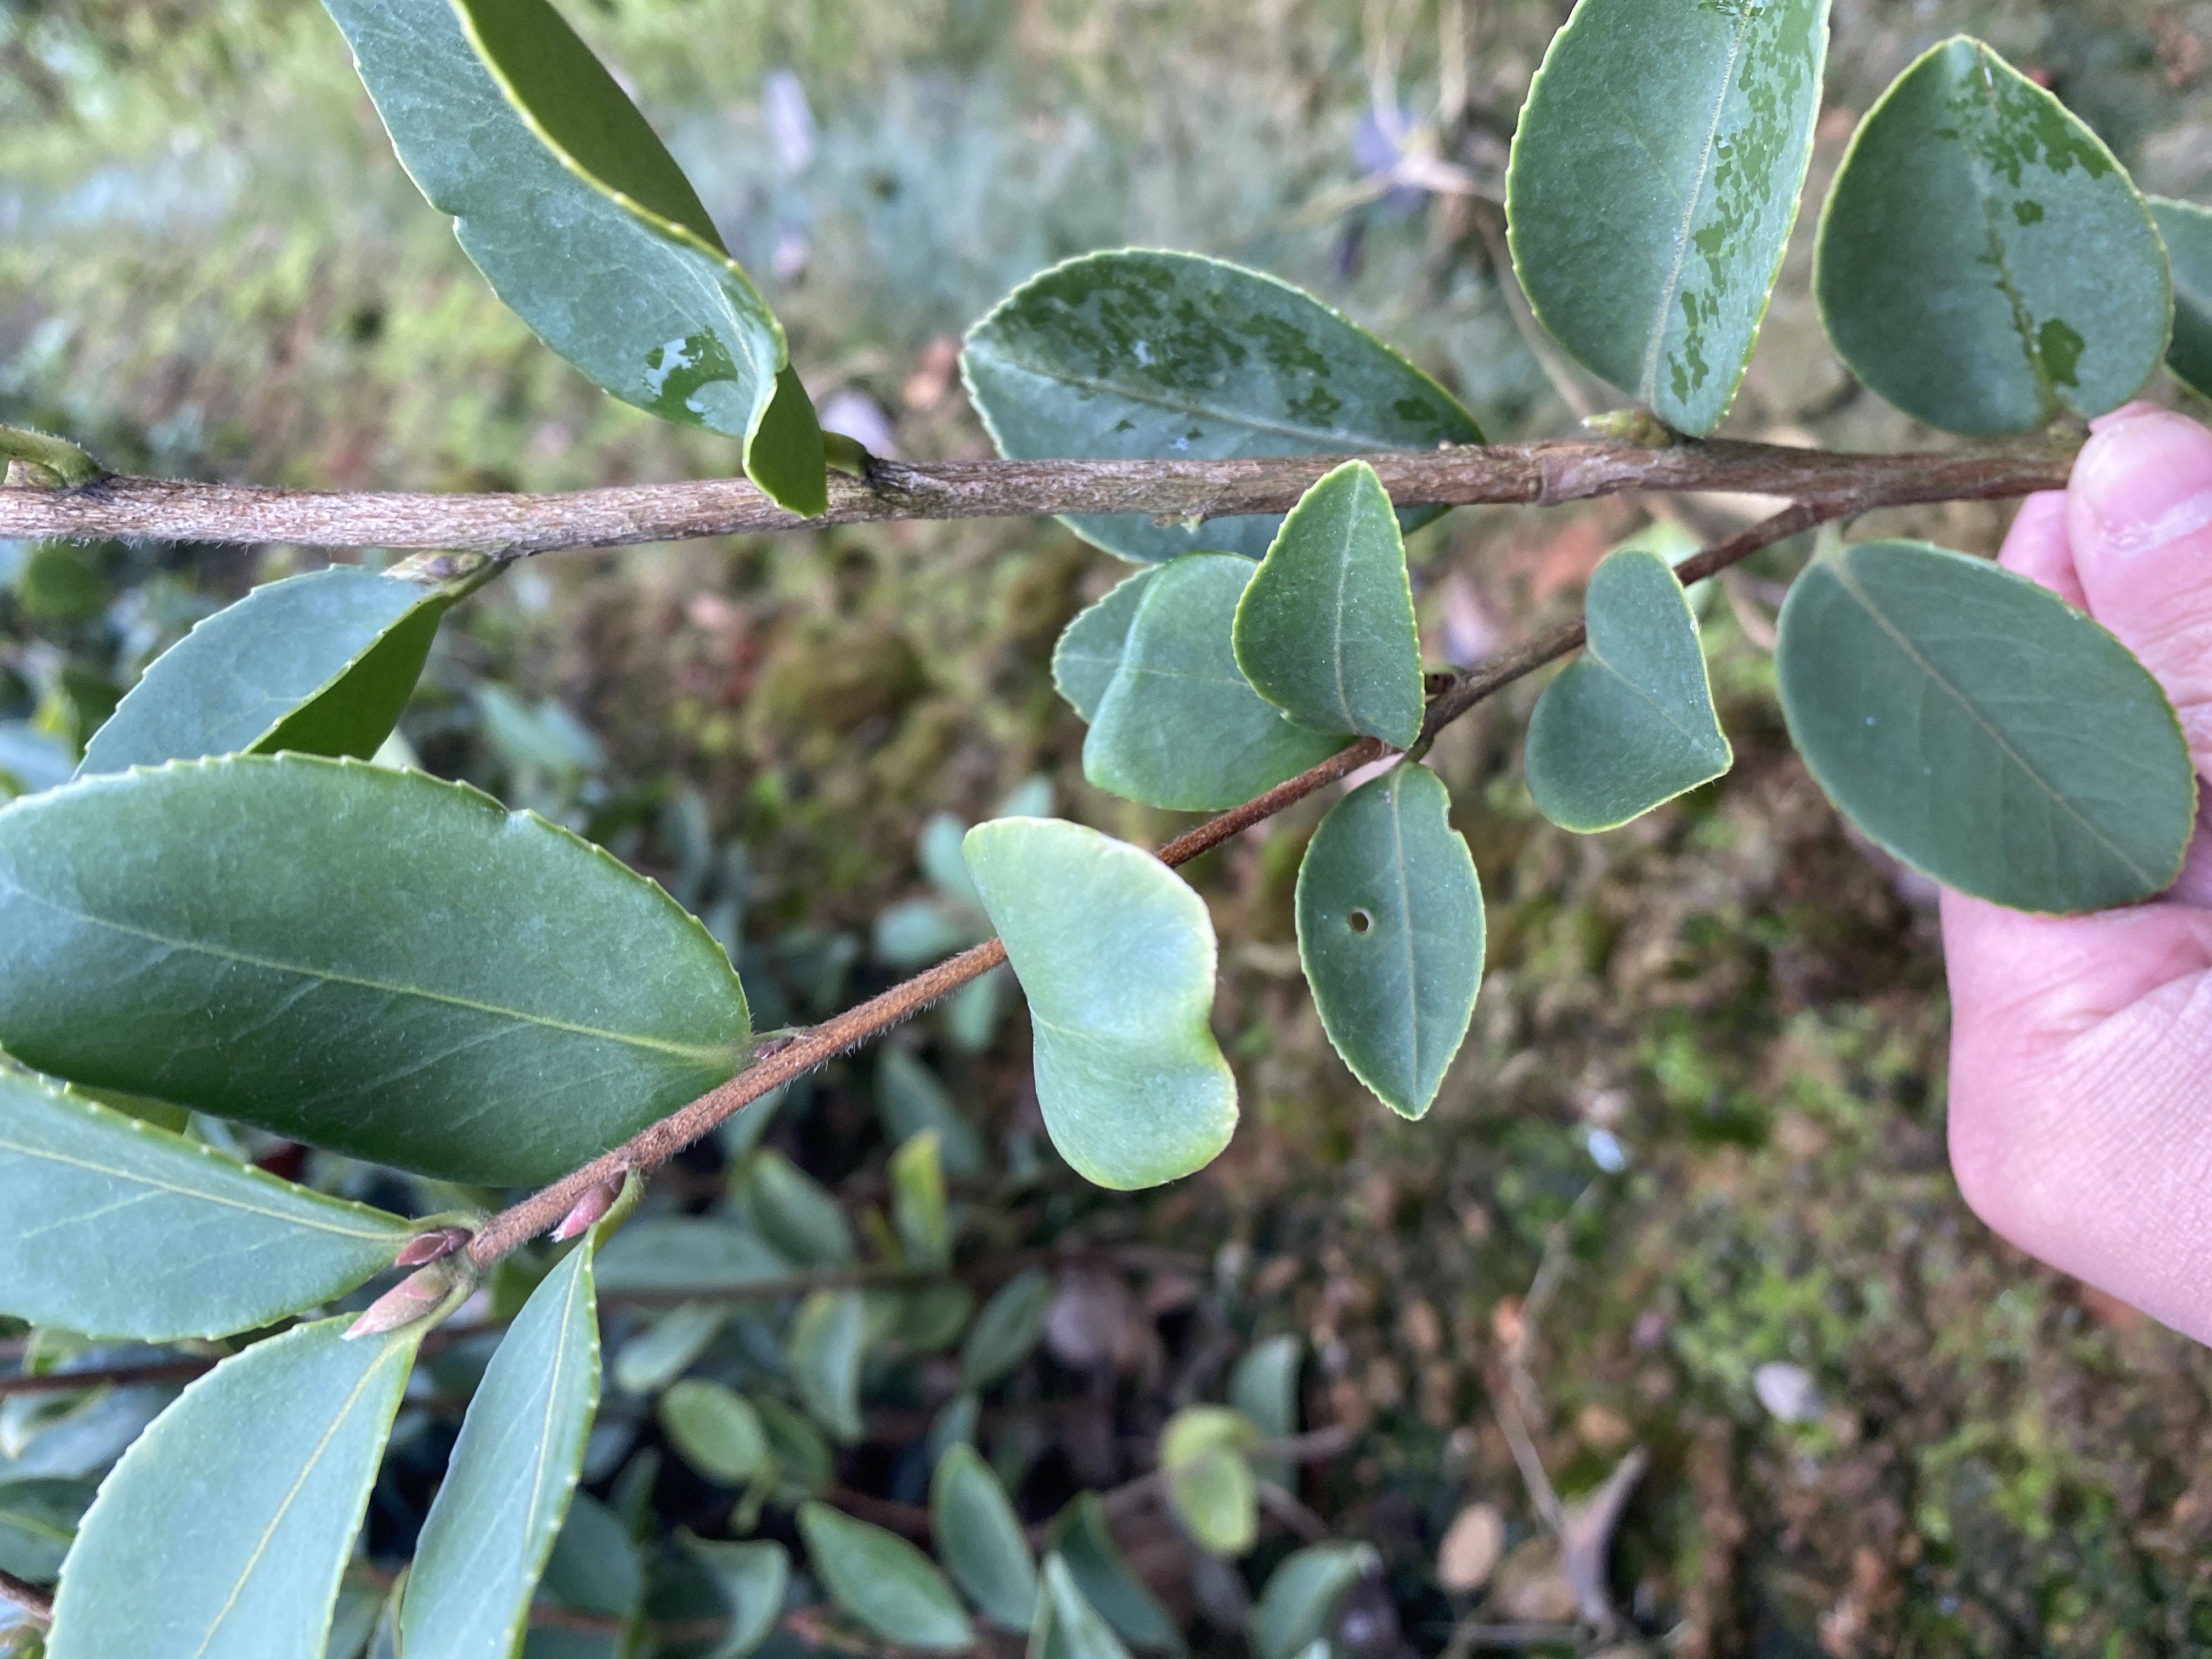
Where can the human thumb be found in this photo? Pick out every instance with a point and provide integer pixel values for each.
(2140, 518)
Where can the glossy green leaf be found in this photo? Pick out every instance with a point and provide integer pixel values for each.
(1325, 630)
(120, 1229)
(1654, 180)
(665, 1349)
(918, 1203)
(909, 1099)
(482, 996)
(321, 663)
(1067, 1626)
(716, 1430)
(1133, 1088)
(1264, 1387)
(1390, 931)
(1006, 1332)
(1629, 724)
(2187, 230)
(796, 1213)
(684, 1256)
(827, 1337)
(510, 1476)
(39, 1519)
(1181, 727)
(1298, 1607)
(979, 1539)
(1984, 263)
(1984, 730)
(581, 221)
(1089, 654)
(883, 1581)
(1082, 1539)
(750, 1580)
(1209, 1481)
(1138, 353)
(223, 1532)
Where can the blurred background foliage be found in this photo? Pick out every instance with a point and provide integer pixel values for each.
(1704, 1092)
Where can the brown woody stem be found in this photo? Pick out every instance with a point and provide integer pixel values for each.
(37, 1604)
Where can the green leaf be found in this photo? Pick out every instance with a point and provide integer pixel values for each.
(510, 1476)
(1325, 630)
(1984, 263)
(1654, 180)
(581, 221)
(827, 1337)
(802, 1456)
(119, 1228)
(1264, 1386)
(223, 1532)
(883, 1581)
(1137, 354)
(482, 996)
(918, 1205)
(1067, 1626)
(39, 1519)
(750, 1580)
(321, 663)
(1181, 727)
(1629, 724)
(686, 1256)
(716, 1430)
(60, 464)
(665, 1349)
(1006, 1332)
(1984, 730)
(1082, 1539)
(1298, 1607)
(910, 1100)
(1390, 931)
(595, 1568)
(1089, 654)
(796, 1213)
(980, 1540)
(1209, 1482)
(2187, 230)
(1133, 1088)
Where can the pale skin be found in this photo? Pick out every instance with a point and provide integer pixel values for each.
(2081, 1046)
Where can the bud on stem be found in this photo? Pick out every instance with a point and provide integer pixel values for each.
(425, 1296)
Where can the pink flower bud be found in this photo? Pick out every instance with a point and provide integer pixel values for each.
(426, 1248)
(589, 1210)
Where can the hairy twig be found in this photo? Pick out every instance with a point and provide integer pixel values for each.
(37, 1604)
(1538, 474)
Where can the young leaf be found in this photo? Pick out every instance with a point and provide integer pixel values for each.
(1984, 730)
(2187, 230)
(1325, 630)
(1083, 1540)
(918, 1207)
(1264, 1387)
(482, 996)
(883, 1581)
(321, 663)
(1133, 1088)
(910, 1100)
(512, 1474)
(716, 1430)
(665, 1349)
(827, 1337)
(581, 221)
(1181, 727)
(1209, 1481)
(1067, 1626)
(1298, 1607)
(1984, 263)
(1089, 654)
(223, 1532)
(1137, 354)
(980, 1540)
(1629, 724)
(1390, 931)
(684, 1256)
(1655, 178)
(1006, 1333)
(750, 1580)
(120, 1229)
(795, 1213)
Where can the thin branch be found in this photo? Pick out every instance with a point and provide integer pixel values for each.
(37, 1603)
(1538, 474)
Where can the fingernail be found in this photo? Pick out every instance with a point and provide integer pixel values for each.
(2146, 484)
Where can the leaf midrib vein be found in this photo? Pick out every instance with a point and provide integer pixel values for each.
(1198, 410)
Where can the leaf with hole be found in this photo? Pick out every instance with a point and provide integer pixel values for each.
(1067, 1626)
(1138, 353)
(167, 1566)
(1984, 263)
(1629, 724)
(1089, 654)
(483, 997)
(1983, 730)
(511, 1475)
(716, 1430)
(1654, 182)
(2187, 230)
(1325, 630)
(1209, 1481)
(120, 1229)
(582, 222)
(1181, 727)
(1390, 934)
(1006, 1332)
(980, 1540)
(749, 1580)
(1134, 1088)
(1299, 1605)
(828, 1337)
(883, 1581)
(321, 663)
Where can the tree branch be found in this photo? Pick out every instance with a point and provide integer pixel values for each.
(1537, 474)
(34, 1601)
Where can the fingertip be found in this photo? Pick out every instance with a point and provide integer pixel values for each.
(2140, 486)
(2040, 548)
